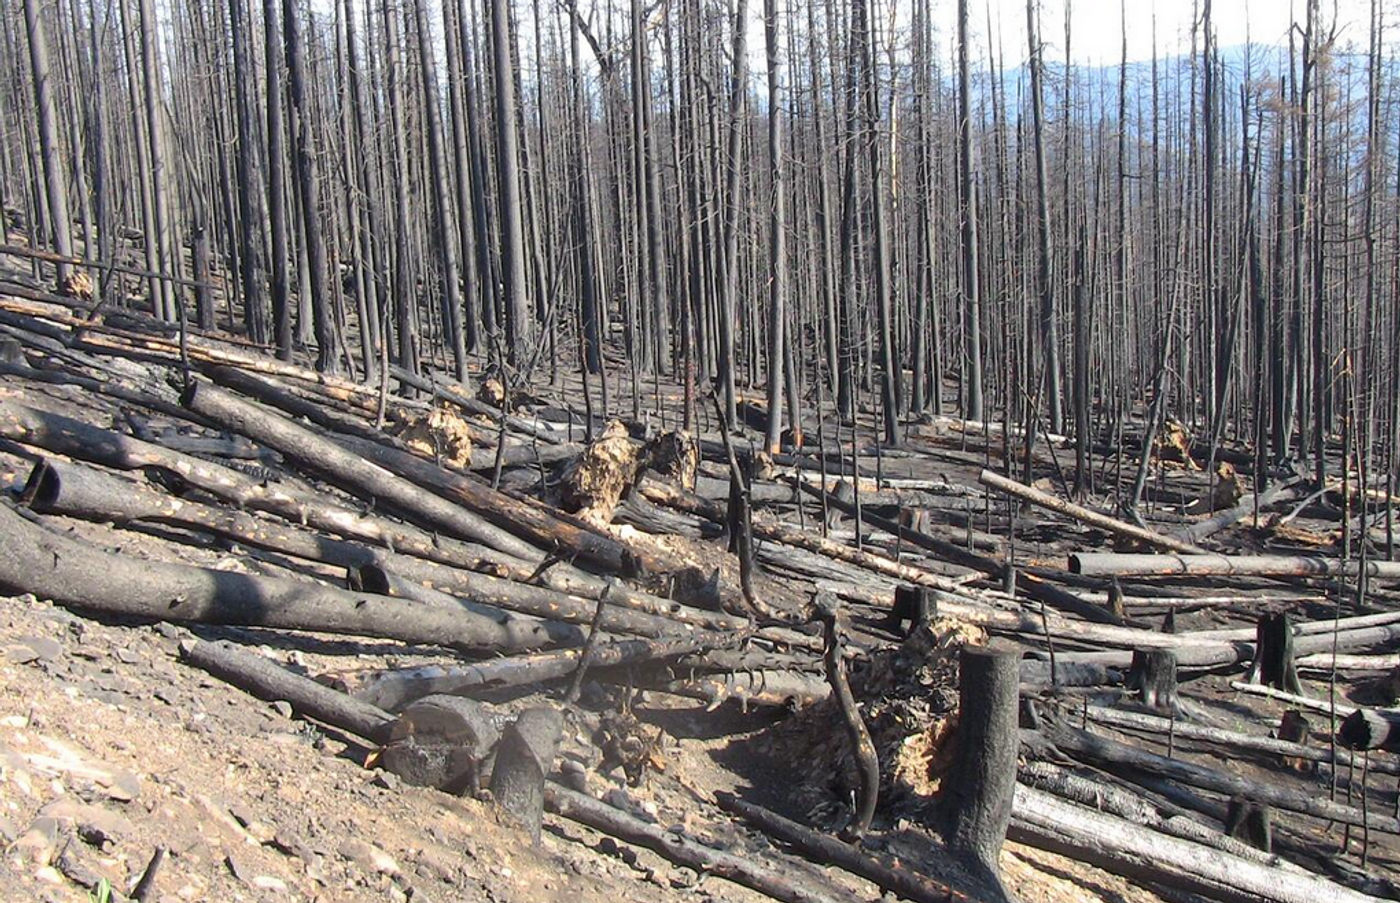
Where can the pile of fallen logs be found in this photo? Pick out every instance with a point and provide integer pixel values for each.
(1078, 730)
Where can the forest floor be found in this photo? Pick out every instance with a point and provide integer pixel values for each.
(111, 747)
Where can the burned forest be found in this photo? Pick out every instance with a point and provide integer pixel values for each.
(530, 450)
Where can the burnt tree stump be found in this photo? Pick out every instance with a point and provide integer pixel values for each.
(978, 789)
(1153, 675)
(1250, 822)
(1115, 599)
(915, 604)
(12, 353)
(1273, 664)
(524, 759)
(1295, 727)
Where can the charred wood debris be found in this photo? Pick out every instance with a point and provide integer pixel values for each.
(1057, 700)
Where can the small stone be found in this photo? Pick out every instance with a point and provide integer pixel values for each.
(19, 654)
(48, 875)
(124, 787)
(70, 863)
(242, 814)
(166, 696)
(126, 656)
(238, 869)
(38, 840)
(267, 882)
(7, 830)
(289, 844)
(368, 857)
(387, 779)
(45, 649)
(435, 864)
(283, 708)
(167, 630)
(95, 824)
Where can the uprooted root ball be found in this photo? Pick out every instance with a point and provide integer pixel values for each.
(676, 456)
(908, 697)
(441, 432)
(596, 480)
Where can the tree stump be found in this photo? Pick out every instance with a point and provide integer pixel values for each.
(523, 761)
(915, 604)
(978, 789)
(1295, 727)
(1250, 822)
(12, 353)
(1273, 655)
(442, 741)
(1153, 675)
(1115, 599)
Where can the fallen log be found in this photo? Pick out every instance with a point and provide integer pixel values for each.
(1274, 495)
(1034, 587)
(1186, 730)
(1110, 753)
(66, 436)
(76, 574)
(394, 689)
(552, 530)
(1367, 729)
(347, 427)
(1294, 699)
(669, 494)
(74, 490)
(462, 515)
(201, 349)
(1142, 854)
(681, 850)
(268, 680)
(1204, 564)
(1326, 661)
(1103, 796)
(108, 387)
(56, 487)
(1210, 648)
(399, 575)
(1113, 525)
(776, 689)
(890, 873)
